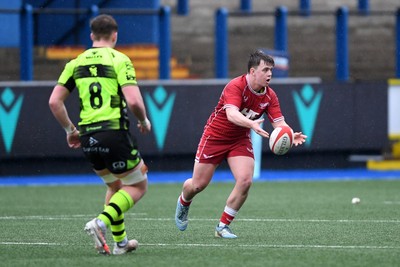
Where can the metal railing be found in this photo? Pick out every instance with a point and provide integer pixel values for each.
(27, 13)
(281, 15)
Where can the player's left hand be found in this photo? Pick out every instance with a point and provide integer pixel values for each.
(299, 138)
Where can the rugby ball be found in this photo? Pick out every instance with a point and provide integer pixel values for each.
(281, 140)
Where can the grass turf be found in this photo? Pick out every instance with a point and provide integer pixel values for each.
(281, 224)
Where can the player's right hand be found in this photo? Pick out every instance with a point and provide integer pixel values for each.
(256, 126)
(144, 126)
(73, 140)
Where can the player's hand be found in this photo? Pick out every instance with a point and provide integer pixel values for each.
(299, 138)
(73, 140)
(256, 126)
(144, 126)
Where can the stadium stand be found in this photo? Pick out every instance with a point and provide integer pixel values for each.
(144, 58)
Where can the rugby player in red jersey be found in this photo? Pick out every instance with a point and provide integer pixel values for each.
(243, 102)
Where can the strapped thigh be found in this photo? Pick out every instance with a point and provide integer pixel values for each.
(139, 174)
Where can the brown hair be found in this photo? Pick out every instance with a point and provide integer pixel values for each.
(103, 26)
(256, 57)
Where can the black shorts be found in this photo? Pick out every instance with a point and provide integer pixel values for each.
(113, 150)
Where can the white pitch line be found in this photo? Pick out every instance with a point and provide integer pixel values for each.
(71, 217)
(31, 243)
(230, 245)
(391, 202)
(79, 216)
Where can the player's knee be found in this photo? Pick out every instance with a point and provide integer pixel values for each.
(114, 186)
(245, 183)
(199, 186)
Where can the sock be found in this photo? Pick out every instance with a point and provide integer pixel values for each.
(118, 229)
(183, 201)
(120, 202)
(227, 216)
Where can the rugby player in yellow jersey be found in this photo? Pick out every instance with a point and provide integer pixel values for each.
(107, 86)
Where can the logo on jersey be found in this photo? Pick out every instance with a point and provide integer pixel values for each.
(10, 107)
(93, 71)
(307, 104)
(250, 114)
(160, 105)
(130, 73)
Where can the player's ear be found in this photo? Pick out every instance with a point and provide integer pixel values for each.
(251, 72)
(114, 37)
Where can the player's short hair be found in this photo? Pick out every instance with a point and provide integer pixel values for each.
(256, 57)
(103, 26)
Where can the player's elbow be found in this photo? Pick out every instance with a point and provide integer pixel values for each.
(55, 104)
(230, 115)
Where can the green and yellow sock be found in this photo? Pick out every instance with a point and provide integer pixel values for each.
(120, 202)
(118, 229)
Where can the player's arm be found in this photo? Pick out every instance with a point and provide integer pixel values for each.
(234, 116)
(135, 104)
(299, 137)
(57, 107)
(279, 123)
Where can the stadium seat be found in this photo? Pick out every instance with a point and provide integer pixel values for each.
(144, 57)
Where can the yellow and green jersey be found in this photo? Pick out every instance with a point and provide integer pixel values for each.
(99, 74)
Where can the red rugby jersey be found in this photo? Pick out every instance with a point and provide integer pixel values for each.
(253, 105)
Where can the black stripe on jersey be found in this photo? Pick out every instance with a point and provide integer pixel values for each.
(94, 70)
(70, 84)
(116, 101)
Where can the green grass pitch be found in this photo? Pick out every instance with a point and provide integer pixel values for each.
(281, 224)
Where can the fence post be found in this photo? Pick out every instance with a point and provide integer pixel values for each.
(398, 43)
(183, 7)
(165, 43)
(342, 53)
(305, 7)
(221, 43)
(363, 7)
(281, 29)
(94, 11)
(245, 5)
(26, 43)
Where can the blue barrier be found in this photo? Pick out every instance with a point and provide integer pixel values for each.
(281, 13)
(165, 43)
(246, 5)
(220, 176)
(183, 7)
(363, 7)
(342, 47)
(398, 43)
(26, 44)
(281, 29)
(305, 7)
(221, 38)
(26, 39)
(94, 11)
(221, 44)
